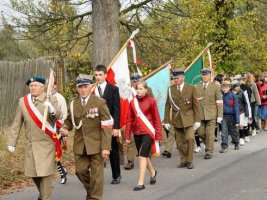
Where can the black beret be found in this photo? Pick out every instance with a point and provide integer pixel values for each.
(39, 79)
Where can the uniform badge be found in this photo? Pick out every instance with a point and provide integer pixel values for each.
(92, 113)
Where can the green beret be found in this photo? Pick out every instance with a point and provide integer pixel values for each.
(39, 79)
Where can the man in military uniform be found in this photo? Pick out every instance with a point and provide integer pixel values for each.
(182, 102)
(90, 117)
(211, 110)
(39, 146)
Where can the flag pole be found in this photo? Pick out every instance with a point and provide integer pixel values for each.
(200, 54)
(122, 48)
(157, 70)
(48, 94)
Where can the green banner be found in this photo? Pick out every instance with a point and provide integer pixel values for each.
(193, 74)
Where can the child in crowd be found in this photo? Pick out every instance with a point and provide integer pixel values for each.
(231, 118)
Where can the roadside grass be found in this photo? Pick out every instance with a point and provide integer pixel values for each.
(12, 164)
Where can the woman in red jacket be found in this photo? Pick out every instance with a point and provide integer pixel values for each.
(143, 140)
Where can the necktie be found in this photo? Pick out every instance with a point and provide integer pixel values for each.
(84, 102)
(205, 86)
(100, 91)
(179, 88)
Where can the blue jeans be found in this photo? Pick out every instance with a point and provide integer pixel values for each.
(228, 127)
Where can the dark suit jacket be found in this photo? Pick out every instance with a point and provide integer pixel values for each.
(112, 97)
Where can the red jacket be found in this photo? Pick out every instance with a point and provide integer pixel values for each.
(148, 106)
(263, 94)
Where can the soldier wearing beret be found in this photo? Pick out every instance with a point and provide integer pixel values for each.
(40, 149)
(183, 105)
(211, 110)
(90, 117)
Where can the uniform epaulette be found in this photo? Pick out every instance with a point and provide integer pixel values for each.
(72, 99)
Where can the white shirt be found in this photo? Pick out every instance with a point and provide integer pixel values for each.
(62, 105)
(102, 86)
(181, 87)
(86, 100)
(205, 84)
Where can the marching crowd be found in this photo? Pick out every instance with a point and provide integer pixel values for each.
(219, 106)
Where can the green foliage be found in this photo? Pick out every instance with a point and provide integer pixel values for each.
(176, 30)
(12, 49)
(180, 31)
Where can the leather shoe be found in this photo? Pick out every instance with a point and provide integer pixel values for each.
(40, 196)
(153, 179)
(167, 154)
(181, 165)
(190, 165)
(129, 165)
(117, 180)
(139, 187)
(208, 156)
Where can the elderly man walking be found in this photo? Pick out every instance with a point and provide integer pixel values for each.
(40, 146)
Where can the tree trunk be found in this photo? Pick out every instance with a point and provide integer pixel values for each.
(106, 41)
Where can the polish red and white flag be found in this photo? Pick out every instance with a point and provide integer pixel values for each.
(119, 74)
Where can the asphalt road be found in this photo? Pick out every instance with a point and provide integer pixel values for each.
(235, 175)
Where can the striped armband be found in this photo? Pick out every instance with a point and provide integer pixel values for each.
(219, 102)
(107, 123)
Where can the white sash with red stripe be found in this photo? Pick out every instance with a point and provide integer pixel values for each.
(145, 123)
(37, 117)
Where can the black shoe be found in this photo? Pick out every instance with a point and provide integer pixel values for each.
(237, 147)
(223, 150)
(167, 154)
(182, 165)
(139, 187)
(208, 156)
(153, 179)
(40, 196)
(215, 139)
(64, 177)
(117, 180)
(129, 165)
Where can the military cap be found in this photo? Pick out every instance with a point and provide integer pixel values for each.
(177, 72)
(237, 77)
(39, 79)
(84, 79)
(135, 76)
(235, 83)
(226, 82)
(206, 70)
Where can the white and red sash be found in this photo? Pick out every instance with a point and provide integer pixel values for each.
(38, 119)
(147, 126)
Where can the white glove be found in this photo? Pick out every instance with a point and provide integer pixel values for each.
(51, 109)
(196, 125)
(219, 120)
(11, 149)
(167, 126)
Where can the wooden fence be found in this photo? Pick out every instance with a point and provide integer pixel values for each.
(13, 76)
